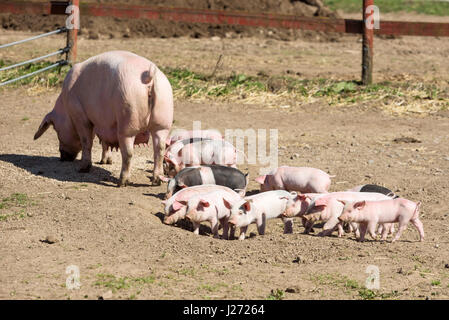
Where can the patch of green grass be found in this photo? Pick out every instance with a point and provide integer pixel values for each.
(435, 282)
(15, 200)
(277, 294)
(351, 284)
(50, 78)
(368, 294)
(439, 8)
(336, 280)
(25, 118)
(212, 287)
(397, 97)
(237, 287)
(117, 283)
(187, 272)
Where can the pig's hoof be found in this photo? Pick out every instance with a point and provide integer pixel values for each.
(106, 161)
(123, 183)
(85, 169)
(156, 182)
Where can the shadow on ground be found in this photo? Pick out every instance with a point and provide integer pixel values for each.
(53, 168)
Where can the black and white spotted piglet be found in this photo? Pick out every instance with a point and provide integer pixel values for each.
(208, 174)
(374, 188)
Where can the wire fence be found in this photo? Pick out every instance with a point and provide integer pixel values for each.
(31, 74)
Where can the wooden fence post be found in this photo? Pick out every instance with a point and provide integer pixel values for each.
(367, 47)
(72, 32)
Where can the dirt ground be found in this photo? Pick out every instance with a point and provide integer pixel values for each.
(115, 235)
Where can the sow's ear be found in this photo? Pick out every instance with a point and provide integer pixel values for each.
(46, 122)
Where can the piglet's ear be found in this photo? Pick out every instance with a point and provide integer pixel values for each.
(359, 205)
(260, 179)
(204, 203)
(301, 197)
(178, 205)
(182, 185)
(45, 124)
(227, 204)
(321, 202)
(247, 205)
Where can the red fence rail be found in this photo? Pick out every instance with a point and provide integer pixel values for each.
(240, 18)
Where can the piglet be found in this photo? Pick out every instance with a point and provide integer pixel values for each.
(301, 179)
(207, 174)
(202, 152)
(298, 205)
(328, 208)
(258, 209)
(175, 206)
(214, 207)
(374, 188)
(370, 213)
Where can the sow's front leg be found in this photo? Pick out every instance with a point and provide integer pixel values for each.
(84, 129)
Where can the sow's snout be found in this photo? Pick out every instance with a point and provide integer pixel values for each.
(67, 156)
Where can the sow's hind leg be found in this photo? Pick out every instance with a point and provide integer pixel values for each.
(126, 148)
(158, 137)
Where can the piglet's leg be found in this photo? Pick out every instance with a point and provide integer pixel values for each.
(308, 227)
(341, 231)
(362, 228)
(126, 148)
(419, 226)
(288, 225)
(329, 227)
(242, 232)
(372, 229)
(355, 228)
(214, 227)
(402, 227)
(261, 224)
(232, 232)
(385, 228)
(224, 223)
(196, 228)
